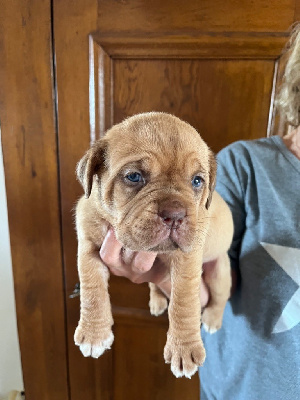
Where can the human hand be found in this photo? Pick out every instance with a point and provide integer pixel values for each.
(140, 267)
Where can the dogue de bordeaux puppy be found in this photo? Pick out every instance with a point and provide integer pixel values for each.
(152, 179)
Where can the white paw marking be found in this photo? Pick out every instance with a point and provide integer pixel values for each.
(158, 307)
(95, 351)
(209, 329)
(185, 358)
(180, 373)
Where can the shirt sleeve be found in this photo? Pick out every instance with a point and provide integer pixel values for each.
(231, 180)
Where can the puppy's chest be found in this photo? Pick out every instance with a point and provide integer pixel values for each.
(170, 259)
(97, 229)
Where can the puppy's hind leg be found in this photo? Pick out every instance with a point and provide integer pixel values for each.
(217, 276)
(158, 302)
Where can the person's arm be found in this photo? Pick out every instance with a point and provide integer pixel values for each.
(232, 175)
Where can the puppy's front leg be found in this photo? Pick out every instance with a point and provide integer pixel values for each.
(93, 334)
(184, 348)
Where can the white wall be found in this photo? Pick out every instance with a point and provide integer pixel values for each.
(10, 363)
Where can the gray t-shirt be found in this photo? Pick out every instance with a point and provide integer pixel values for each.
(256, 354)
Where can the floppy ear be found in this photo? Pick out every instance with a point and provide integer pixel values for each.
(90, 164)
(212, 177)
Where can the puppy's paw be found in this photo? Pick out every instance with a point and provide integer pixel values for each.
(211, 320)
(91, 342)
(158, 305)
(185, 358)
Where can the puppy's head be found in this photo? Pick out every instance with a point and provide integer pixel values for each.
(155, 178)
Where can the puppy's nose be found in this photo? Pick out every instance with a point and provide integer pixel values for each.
(172, 213)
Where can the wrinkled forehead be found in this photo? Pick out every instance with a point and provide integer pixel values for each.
(165, 142)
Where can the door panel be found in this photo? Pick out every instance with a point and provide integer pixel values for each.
(193, 89)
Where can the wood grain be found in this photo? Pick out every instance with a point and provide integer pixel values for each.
(142, 370)
(195, 16)
(235, 94)
(31, 171)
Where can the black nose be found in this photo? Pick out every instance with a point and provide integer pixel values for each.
(172, 213)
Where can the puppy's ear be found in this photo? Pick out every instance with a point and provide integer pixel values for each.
(90, 164)
(212, 177)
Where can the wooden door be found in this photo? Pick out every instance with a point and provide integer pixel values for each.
(214, 64)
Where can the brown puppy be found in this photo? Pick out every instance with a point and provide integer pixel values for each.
(152, 178)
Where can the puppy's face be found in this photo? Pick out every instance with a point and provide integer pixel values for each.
(155, 178)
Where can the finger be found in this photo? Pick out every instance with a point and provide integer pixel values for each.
(110, 251)
(127, 256)
(143, 261)
(118, 271)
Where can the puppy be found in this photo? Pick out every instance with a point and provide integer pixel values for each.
(152, 179)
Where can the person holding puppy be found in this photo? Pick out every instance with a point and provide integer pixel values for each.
(256, 353)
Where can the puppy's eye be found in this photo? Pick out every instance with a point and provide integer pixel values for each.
(134, 177)
(197, 181)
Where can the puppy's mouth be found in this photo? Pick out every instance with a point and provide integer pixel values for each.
(157, 236)
(167, 245)
(168, 239)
